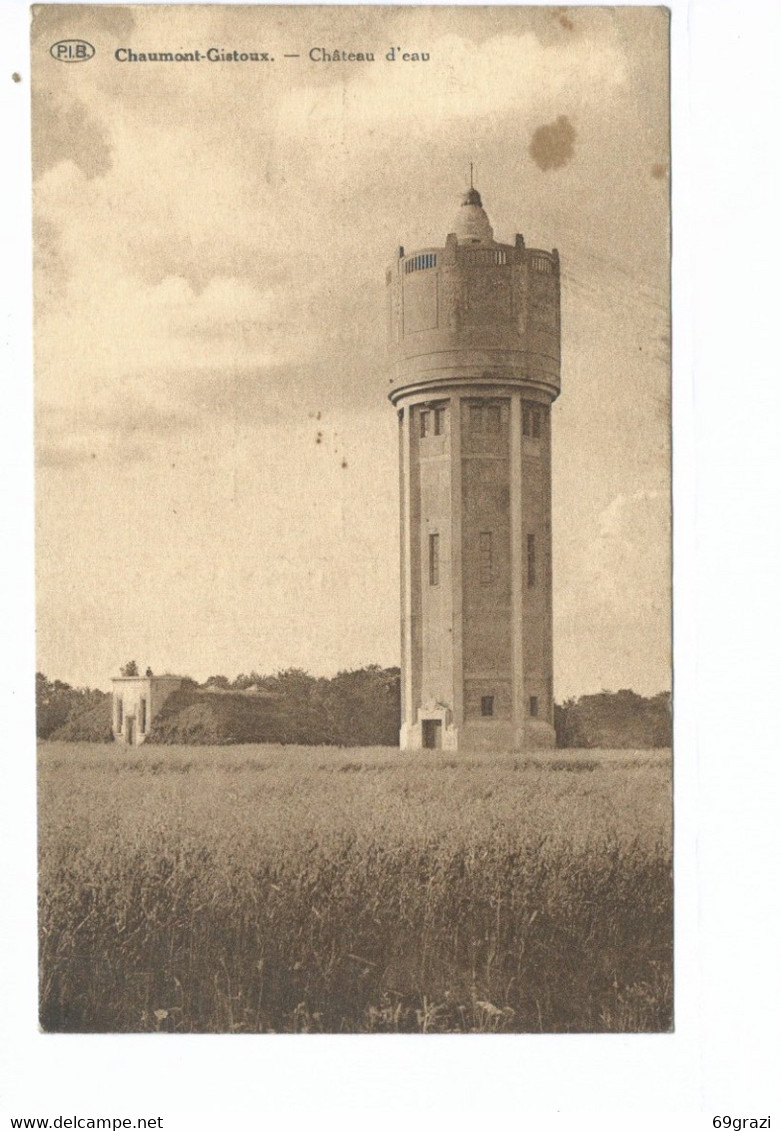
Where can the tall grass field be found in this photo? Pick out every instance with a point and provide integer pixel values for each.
(313, 889)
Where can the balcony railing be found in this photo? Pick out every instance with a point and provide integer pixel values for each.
(420, 262)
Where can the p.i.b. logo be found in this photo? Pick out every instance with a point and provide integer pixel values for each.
(72, 51)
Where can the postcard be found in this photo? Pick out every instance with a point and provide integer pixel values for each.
(352, 379)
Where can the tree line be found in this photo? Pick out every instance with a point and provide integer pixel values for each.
(614, 719)
(56, 703)
(353, 708)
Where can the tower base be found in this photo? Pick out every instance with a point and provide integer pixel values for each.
(432, 732)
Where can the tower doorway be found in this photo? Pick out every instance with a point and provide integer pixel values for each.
(432, 734)
(130, 731)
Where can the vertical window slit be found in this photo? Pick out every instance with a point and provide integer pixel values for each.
(486, 558)
(433, 559)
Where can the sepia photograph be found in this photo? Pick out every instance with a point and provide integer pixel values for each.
(353, 509)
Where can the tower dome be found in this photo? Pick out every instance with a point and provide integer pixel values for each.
(471, 224)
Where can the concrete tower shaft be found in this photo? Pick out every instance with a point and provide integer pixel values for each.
(474, 348)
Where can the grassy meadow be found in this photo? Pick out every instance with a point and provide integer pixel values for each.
(317, 889)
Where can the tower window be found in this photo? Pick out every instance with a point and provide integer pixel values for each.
(531, 560)
(487, 706)
(493, 420)
(532, 421)
(424, 423)
(533, 706)
(476, 417)
(486, 558)
(142, 722)
(119, 712)
(433, 559)
(439, 421)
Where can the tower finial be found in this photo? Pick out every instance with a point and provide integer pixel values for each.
(472, 225)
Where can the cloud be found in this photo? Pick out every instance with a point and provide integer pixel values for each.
(197, 296)
(627, 565)
(465, 81)
(122, 432)
(612, 615)
(104, 314)
(51, 22)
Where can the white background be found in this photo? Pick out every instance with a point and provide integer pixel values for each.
(723, 1058)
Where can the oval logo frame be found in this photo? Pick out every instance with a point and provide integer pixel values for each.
(72, 51)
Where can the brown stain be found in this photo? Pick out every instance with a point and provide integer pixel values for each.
(70, 132)
(319, 438)
(344, 463)
(16, 76)
(658, 171)
(553, 145)
(563, 19)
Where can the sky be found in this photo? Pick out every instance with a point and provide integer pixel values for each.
(217, 467)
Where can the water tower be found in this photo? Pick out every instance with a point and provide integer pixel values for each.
(475, 357)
